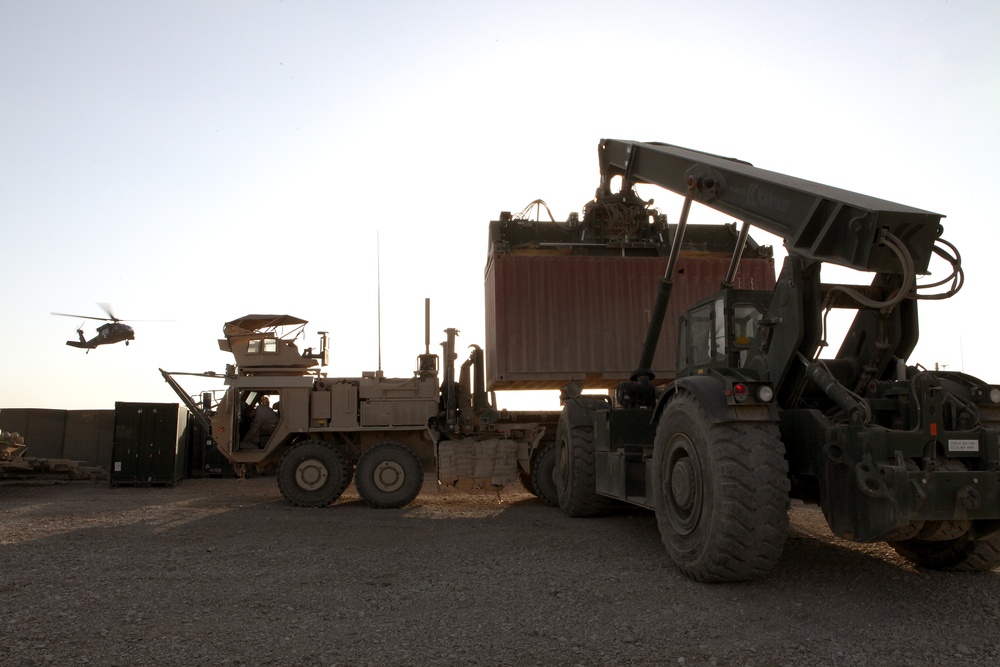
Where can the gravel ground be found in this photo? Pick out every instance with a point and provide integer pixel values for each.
(224, 572)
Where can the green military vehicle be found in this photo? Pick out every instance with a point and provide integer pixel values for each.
(890, 450)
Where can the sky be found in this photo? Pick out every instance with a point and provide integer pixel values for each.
(198, 161)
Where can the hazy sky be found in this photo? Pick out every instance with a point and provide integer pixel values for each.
(198, 161)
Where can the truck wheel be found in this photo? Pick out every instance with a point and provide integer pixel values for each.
(388, 476)
(963, 554)
(543, 469)
(721, 493)
(575, 469)
(312, 473)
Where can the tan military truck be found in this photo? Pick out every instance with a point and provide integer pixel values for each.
(281, 412)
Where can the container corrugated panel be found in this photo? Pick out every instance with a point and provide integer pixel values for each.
(551, 319)
(89, 436)
(150, 443)
(42, 429)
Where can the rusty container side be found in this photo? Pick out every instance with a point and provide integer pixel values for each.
(90, 436)
(43, 430)
(551, 319)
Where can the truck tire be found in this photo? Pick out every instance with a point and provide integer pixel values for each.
(543, 469)
(575, 469)
(388, 476)
(721, 493)
(312, 473)
(526, 481)
(963, 554)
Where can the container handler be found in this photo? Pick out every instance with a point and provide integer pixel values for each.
(890, 450)
(561, 298)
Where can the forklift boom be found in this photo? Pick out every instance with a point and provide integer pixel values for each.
(815, 221)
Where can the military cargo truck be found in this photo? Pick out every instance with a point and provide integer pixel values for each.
(282, 412)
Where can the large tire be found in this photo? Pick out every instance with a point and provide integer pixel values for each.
(543, 469)
(963, 554)
(526, 481)
(720, 492)
(312, 473)
(575, 468)
(388, 476)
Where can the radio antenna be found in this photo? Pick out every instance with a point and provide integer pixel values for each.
(378, 296)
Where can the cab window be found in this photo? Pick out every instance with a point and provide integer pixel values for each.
(719, 327)
(262, 345)
(699, 340)
(745, 320)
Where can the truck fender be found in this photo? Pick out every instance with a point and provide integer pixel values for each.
(579, 410)
(711, 393)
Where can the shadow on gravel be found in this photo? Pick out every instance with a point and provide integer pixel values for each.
(229, 573)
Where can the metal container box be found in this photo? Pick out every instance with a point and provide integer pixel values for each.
(150, 444)
(557, 312)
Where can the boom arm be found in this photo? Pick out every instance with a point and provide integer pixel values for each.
(815, 221)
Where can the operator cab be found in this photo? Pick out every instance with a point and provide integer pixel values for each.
(717, 332)
(257, 415)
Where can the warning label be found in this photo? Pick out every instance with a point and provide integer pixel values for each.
(963, 445)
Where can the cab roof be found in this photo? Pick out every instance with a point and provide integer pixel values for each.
(257, 322)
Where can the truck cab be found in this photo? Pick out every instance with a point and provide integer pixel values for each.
(718, 332)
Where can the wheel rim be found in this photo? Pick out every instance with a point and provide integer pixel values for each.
(682, 487)
(682, 484)
(389, 476)
(311, 474)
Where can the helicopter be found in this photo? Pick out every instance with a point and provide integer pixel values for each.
(113, 331)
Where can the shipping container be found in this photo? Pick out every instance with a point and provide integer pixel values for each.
(43, 430)
(150, 443)
(557, 312)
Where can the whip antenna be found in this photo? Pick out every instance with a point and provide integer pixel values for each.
(378, 298)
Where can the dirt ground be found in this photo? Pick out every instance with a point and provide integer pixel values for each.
(224, 572)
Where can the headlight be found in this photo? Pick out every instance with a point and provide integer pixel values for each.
(765, 394)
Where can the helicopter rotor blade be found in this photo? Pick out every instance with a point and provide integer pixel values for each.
(86, 317)
(106, 307)
(110, 318)
(145, 320)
